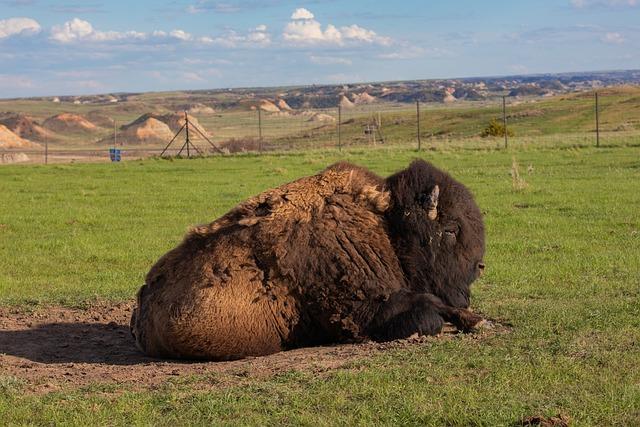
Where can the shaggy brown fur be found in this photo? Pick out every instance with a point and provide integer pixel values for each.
(340, 256)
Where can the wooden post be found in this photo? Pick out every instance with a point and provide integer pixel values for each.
(597, 122)
(259, 129)
(46, 149)
(504, 121)
(418, 123)
(380, 135)
(339, 127)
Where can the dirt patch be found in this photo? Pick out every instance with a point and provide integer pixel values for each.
(7, 158)
(559, 420)
(53, 347)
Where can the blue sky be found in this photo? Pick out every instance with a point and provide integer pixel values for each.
(67, 48)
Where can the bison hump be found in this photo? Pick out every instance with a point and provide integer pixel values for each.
(303, 200)
(325, 237)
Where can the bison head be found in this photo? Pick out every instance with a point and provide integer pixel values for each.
(437, 231)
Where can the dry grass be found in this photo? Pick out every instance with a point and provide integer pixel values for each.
(517, 182)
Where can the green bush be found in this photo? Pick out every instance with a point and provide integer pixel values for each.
(495, 128)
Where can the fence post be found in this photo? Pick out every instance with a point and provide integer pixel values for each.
(418, 123)
(339, 127)
(504, 120)
(597, 122)
(259, 129)
(186, 124)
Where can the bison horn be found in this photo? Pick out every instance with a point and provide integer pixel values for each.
(432, 203)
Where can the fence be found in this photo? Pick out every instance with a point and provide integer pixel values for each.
(566, 120)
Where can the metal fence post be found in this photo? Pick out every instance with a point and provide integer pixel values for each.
(259, 129)
(597, 122)
(504, 121)
(339, 127)
(418, 123)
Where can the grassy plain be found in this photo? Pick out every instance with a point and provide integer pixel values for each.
(563, 270)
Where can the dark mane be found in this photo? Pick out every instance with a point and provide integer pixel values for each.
(431, 262)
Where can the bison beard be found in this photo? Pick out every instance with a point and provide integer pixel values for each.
(340, 256)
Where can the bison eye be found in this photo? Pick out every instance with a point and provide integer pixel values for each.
(452, 229)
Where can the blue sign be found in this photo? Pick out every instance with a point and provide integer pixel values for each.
(114, 154)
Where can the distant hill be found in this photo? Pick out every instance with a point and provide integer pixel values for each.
(8, 139)
(69, 123)
(231, 113)
(26, 127)
(146, 131)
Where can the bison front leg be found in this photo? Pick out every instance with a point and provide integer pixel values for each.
(462, 318)
(405, 314)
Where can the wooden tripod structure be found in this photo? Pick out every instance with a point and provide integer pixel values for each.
(187, 141)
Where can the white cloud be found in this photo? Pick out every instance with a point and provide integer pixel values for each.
(203, 6)
(613, 38)
(329, 60)
(354, 32)
(259, 36)
(230, 39)
(405, 53)
(305, 30)
(18, 26)
(413, 52)
(582, 4)
(256, 37)
(310, 32)
(73, 30)
(301, 13)
(181, 35)
(80, 30)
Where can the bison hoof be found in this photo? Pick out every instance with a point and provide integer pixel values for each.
(467, 321)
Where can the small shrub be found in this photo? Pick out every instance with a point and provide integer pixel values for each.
(495, 128)
(241, 145)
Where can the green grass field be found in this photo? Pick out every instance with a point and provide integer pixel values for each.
(563, 270)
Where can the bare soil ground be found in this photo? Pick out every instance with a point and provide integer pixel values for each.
(53, 347)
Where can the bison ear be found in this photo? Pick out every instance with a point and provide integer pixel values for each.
(430, 202)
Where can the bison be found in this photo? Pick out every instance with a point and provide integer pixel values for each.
(341, 256)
